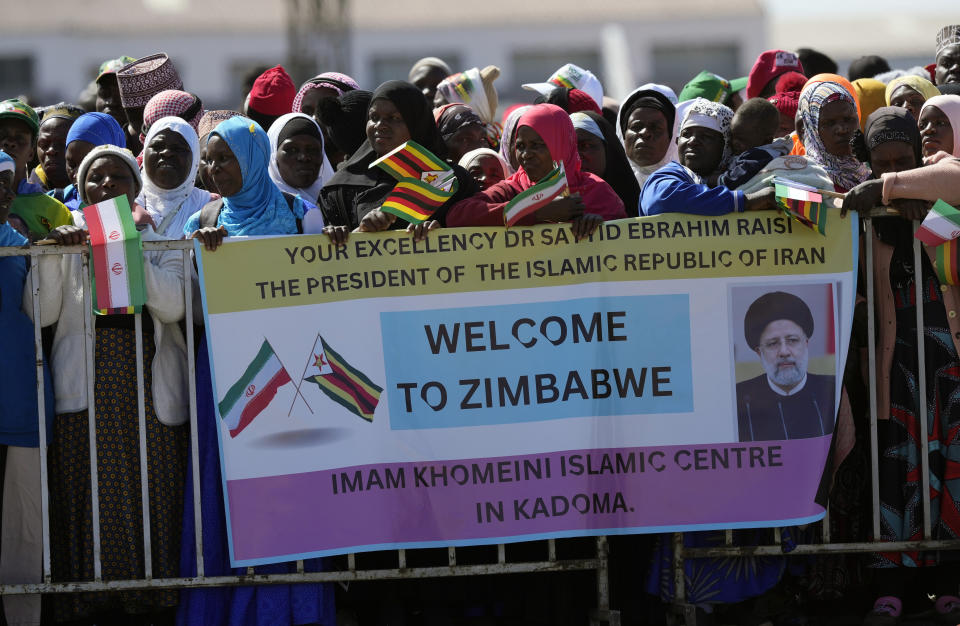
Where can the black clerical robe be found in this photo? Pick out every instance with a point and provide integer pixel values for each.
(764, 415)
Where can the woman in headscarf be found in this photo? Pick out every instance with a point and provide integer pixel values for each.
(237, 157)
(601, 153)
(704, 150)
(344, 123)
(298, 163)
(645, 124)
(171, 159)
(461, 128)
(237, 160)
(828, 115)
(893, 145)
(869, 92)
(485, 166)
(108, 172)
(172, 103)
(545, 136)
(509, 136)
(939, 124)
(910, 92)
(321, 87)
(87, 132)
(398, 112)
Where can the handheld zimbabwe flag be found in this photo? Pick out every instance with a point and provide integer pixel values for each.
(411, 160)
(941, 225)
(802, 203)
(116, 251)
(550, 187)
(948, 260)
(254, 390)
(415, 201)
(341, 382)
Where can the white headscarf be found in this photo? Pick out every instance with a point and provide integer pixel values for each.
(310, 193)
(171, 208)
(643, 172)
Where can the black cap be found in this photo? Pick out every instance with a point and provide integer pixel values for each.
(773, 306)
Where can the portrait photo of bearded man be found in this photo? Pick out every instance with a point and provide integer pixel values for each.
(786, 401)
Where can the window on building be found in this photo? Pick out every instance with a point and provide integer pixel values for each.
(16, 75)
(676, 65)
(397, 66)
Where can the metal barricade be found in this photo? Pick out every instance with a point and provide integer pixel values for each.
(687, 612)
(349, 571)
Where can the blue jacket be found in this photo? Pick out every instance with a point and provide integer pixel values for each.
(675, 189)
(18, 372)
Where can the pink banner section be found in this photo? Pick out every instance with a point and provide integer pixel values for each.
(578, 492)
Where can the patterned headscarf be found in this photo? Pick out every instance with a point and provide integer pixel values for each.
(712, 115)
(259, 208)
(846, 172)
(330, 80)
(175, 103)
(509, 133)
(211, 118)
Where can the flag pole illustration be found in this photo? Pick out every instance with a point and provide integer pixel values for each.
(116, 252)
(254, 390)
(341, 382)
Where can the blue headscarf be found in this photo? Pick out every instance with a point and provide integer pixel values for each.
(9, 236)
(97, 128)
(259, 208)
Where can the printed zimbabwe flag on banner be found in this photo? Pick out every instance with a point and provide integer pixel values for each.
(341, 382)
(254, 390)
(116, 251)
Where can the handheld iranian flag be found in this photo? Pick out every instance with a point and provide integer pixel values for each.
(552, 186)
(942, 224)
(803, 203)
(116, 252)
(341, 382)
(254, 390)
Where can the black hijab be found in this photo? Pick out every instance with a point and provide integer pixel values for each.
(652, 99)
(418, 117)
(345, 119)
(618, 174)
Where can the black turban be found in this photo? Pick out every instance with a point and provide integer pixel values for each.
(773, 306)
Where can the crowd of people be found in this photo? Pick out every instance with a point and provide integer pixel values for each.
(298, 161)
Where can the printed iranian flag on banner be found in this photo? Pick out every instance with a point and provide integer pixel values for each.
(254, 390)
(941, 225)
(116, 254)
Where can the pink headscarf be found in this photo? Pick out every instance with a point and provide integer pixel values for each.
(555, 128)
(318, 81)
(950, 106)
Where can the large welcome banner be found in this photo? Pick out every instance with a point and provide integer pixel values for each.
(489, 384)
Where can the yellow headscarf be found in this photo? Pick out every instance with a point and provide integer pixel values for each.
(870, 93)
(921, 85)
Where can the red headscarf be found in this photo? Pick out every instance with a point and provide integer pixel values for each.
(555, 128)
